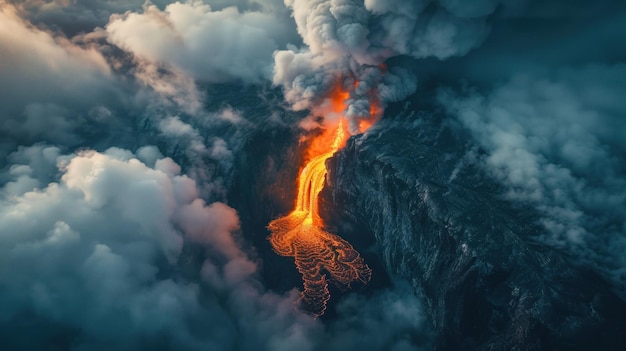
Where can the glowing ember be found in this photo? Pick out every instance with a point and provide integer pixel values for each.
(319, 256)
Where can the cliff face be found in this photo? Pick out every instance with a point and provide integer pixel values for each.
(438, 222)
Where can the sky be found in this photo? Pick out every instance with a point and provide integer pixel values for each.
(117, 151)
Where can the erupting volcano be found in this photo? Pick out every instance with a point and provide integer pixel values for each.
(320, 256)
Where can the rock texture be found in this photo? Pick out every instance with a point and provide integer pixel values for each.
(488, 283)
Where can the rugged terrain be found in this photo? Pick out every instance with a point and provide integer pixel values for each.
(438, 222)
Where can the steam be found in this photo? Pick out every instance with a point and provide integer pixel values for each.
(352, 40)
(212, 46)
(97, 255)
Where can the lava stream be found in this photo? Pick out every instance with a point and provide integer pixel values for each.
(319, 255)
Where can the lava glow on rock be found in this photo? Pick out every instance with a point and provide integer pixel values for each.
(320, 256)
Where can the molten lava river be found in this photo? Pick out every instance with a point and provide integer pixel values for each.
(320, 256)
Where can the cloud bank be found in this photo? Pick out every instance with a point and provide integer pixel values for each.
(98, 256)
(351, 41)
(212, 46)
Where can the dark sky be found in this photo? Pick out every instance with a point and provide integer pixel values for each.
(116, 151)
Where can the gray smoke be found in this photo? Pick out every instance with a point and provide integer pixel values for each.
(208, 45)
(351, 39)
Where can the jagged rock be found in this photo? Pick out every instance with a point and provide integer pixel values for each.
(488, 283)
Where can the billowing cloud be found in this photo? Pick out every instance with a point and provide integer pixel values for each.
(212, 46)
(99, 256)
(351, 40)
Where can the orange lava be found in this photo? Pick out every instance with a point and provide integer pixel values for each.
(320, 256)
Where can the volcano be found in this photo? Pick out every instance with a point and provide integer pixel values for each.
(336, 175)
(397, 192)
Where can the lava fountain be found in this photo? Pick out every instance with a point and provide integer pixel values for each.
(319, 256)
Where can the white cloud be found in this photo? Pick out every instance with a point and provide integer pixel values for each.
(213, 46)
(96, 252)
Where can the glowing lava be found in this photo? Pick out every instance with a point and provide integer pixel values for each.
(320, 256)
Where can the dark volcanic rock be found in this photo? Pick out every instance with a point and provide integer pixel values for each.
(488, 284)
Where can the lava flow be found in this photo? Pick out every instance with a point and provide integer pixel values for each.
(320, 256)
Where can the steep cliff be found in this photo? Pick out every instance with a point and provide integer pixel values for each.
(488, 284)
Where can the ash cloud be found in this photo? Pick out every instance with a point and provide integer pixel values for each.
(353, 40)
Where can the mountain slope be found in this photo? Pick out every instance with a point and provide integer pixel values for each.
(488, 285)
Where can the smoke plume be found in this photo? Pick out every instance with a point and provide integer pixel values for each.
(352, 40)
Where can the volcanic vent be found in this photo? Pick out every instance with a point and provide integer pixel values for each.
(319, 256)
